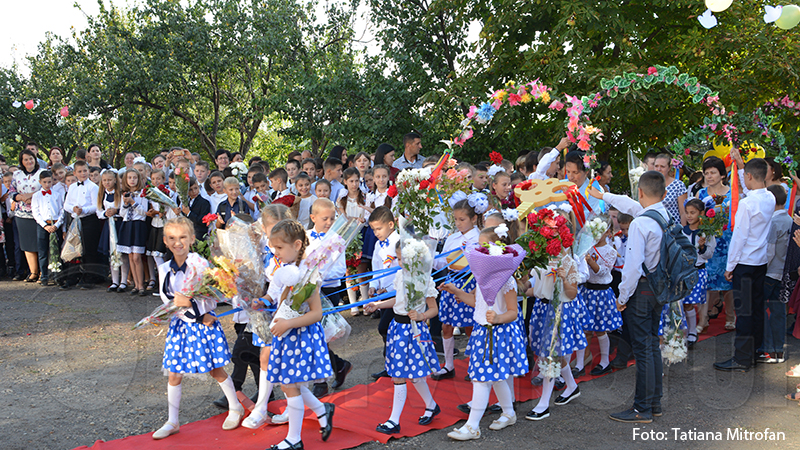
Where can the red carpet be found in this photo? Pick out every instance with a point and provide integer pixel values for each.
(358, 411)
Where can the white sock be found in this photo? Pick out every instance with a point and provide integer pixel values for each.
(504, 397)
(230, 394)
(314, 404)
(151, 267)
(400, 394)
(295, 410)
(159, 261)
(579, 356)
(115, 276)
(691, 320)
(510, 383)
(126, 270)
(351, 295)
(424, 391)
(364, 289)
(174, 400)
(605, 345)
(449, 345)
(480, 399)
(569, 380)
(547, 392)
(264, 389)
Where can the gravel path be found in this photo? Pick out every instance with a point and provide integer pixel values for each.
(73, 372)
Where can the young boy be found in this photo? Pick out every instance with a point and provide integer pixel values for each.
(94, 174)
(292, 170)
(47, 211)
(258, 195)
(59, 173)
(333, 174)
(747, 266)
(201, 172)
(278, 179)
(323, 214)
(81, 203)
(480, 179)
(322, 188)
(69, 180)
(621, 339)
(234, 203)
(771, 351)
(384, 256)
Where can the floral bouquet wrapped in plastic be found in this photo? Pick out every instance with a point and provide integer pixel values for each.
(240, 243)
(182, 185)
(548, 233)
(115, 257)
(160, 195)
(673, 349)
(54, 259)
(590, 235)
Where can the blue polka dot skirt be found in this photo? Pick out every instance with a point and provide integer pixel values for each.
(507, 358)
(665, 317)
(195, 348)
(405, 357)
(538, 314)
(698, 295)
(453, 312)
(601, 310)
(299, 357)
(571, 332)
(257, 341)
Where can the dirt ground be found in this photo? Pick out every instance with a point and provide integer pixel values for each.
(73, 372)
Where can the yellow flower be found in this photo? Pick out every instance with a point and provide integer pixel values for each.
(591, 130)
(546, 97)
(525, 98)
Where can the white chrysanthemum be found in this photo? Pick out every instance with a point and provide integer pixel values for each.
(549, 367)
(495, 250)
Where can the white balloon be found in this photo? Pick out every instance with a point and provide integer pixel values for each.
(16, 104)
(707, 20)
(718, 5)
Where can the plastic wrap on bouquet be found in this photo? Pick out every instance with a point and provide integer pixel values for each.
(54, 258)
(673, 349)
(115, 257)
(590, 234)
(336, 328)
(73, 245)
(154, 194)
(240, 243)
(545, 281)
(635, 171)
(161, 315)
(259, 318)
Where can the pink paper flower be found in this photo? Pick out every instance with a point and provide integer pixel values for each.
(584, 145)
(557, 105)
(652, 71)
(514, 99)
(472, 110)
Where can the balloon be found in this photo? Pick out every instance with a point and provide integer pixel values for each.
(772, 13)
(718, 5)
(64, 111)
(707, 20)
(29, 104)
(790, 17)
(16, 104)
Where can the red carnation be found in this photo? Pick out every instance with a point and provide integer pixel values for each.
(548, 232)
(208, 218)
(545, 213)
(532, 219)
(424, 184)
(560, 220)
(563, 230)
(553, 247)
(533, 246)
(567, 240)
(496, 158)
(392, 191)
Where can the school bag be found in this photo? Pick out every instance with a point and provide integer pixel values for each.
(675, 275)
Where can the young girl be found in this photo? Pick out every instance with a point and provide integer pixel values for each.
(377, 197)
(570, 333)
(452, 312)
(109, 201)
(271, 215)
(196, 343)
(303, 186)
(705, 250)
(601, 303)
(501, 187)
(133, 232)
(406, 358)
(299, 352)
(155, 242)
(498, 328)
(354, 206)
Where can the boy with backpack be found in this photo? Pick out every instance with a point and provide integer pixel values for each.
(659, 268)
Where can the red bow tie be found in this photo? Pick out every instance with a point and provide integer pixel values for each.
(47, 192)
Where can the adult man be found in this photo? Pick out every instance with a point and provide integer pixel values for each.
(577, 173)
(410, 159)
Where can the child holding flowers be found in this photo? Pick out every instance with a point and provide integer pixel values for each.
(410, 355)
(498, 347)
(195, 341)
(705, 243)
(109, 200)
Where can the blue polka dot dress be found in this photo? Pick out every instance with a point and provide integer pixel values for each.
(601, 310)
(257, 341)
(453, 312)
(407, 358)
(571, 332)
(195, 348)
(698, 295)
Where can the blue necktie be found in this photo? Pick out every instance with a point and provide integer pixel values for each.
(316, 235)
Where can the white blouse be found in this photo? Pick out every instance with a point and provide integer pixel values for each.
(401, 301)
(606, 257)
(499, 307)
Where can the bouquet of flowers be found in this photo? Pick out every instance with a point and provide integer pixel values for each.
(239, 170)
(353, 255)
(73, 245)
(54, 260)
(715, 220)
(590, 235)
(492, 265)
(203, 248)
(414, 200)
(182, 185)
(240, 243)
(159, 195)
(548, 233)
(673, 349)
(417, 262)
(548, 286)
(115, 257)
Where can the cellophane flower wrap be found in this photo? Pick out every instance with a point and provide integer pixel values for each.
(416, 263)
(157, 195)
(182, 185)
(547, 285)
(353, 255)
(588, 236)
(54, 258)
(414, 200)
(714, 221)
(492, 266)
(673, 349)
(114, 255)
(548, 234)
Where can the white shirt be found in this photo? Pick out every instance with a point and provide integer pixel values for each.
(748, 245)
(711, 245)
(644, 247)
(215, 199)
(83, 195)
(101, 213)
(454, 241)
(499, 307)
(339, 267)
(304, 211)
(606, 257)
(47, 208)
(136, 211)
(195, 266)
(384, 258)
(401, 302)
(778, 243)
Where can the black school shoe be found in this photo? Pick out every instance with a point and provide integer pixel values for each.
(561, 400)
(320, 389)
(632, 416)
(731, 365)
(382, 428)
(326, 430)
(341, 375)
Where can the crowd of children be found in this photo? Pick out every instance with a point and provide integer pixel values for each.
(604, 295)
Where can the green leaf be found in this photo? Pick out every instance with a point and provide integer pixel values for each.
(698, 98)
(692, 81)
(612, 93)
(671, 79)
(682, 78)
(606, 84)
(693, 89)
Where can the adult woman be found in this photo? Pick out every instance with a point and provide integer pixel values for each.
(158, 162)
(719, 289)
(237, 157)
(384, 154)
(24, 184)
(676, 190)
(339, 152)
(605, 175)
(94, 157)
(56, 156)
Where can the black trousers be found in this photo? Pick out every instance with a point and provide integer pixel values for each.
(335, 297)
(748, 300)
(643, 314)
(244, 355)
(92, 270)
(7, 253)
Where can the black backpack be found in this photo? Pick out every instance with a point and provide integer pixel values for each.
(675, 275)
